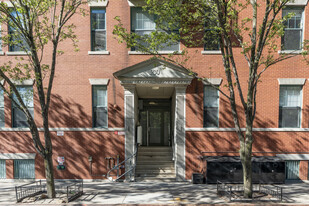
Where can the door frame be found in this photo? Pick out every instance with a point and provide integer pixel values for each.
(162, 109)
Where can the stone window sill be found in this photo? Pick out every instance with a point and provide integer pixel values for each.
(98, 53)
(215, 52)
(159, 52)
(290, 51)
(16, 53)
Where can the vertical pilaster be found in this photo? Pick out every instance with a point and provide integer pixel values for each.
(180, 134)
(129, 124)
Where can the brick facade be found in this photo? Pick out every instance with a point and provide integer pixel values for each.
(71, 106)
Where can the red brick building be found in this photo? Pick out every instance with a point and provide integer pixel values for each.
(104, 91)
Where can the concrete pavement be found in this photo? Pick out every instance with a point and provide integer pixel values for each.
(154, 193)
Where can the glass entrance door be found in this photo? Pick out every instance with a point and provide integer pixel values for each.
(155, 122)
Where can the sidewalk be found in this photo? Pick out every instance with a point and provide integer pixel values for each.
(155, 193)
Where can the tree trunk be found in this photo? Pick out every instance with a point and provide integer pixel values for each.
(246, 156)
(247, 174)
(49, 174)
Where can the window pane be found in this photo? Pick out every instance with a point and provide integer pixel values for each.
(292, 39)
(142, 20)
(290, 96)
(1, 98)
(2, 117)
(26, 94)
(169, 47)
(211, 117)
(289, 117)
(99, 94)
(97, 19)
(100, 116)
(18, 43)
(211, 97)
(19, 118)
(1, 108)
(98, 40)
(2, 169)
(211, 40)
(0, 40)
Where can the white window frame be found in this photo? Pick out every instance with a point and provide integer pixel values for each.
(294, 7)
(93, 119)
(218, 102)
(301, 104)
(14, 107)
(149, 30)
(91, 40)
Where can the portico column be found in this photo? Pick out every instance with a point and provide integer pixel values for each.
(180, 134)
(129, 92)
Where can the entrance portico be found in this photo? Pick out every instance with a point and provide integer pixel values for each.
(159, 81)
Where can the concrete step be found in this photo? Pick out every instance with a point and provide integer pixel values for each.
(155, 171)
(155, 179)
(157, 163)
(155, 149)
(148, 153)
(159, 176)
(154, 167)
(154, 158)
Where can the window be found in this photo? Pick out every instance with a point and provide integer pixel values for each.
(144, 24)
(290, 106)
(293, 32)
(17, 42)
(211, 107)
(211, 40)
(98, 29)
(99, 102)
(1, 108)
(211, 34)
(292, 170)
(2, 169)
(19, 118)
(24, 169)
(0, 40)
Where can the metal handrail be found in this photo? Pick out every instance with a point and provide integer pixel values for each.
(132, 166)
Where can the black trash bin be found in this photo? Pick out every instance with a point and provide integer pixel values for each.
(197, 178)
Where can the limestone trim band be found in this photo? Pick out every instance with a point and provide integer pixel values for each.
(293, 156)
(195, 129)
(120, 129)
(10, 156)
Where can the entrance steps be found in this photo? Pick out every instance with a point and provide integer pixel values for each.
(155, 164)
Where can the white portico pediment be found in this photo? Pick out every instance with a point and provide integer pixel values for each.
(154, 71)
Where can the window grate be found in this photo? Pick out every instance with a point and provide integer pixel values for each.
(24, 169)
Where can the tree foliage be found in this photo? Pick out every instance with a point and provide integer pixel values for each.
(248, 27)
(36, 28)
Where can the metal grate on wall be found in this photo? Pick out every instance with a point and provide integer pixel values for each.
(24, 169)
(292, 170)
(2, 169)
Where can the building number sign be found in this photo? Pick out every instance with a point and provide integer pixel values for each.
(156, 71)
